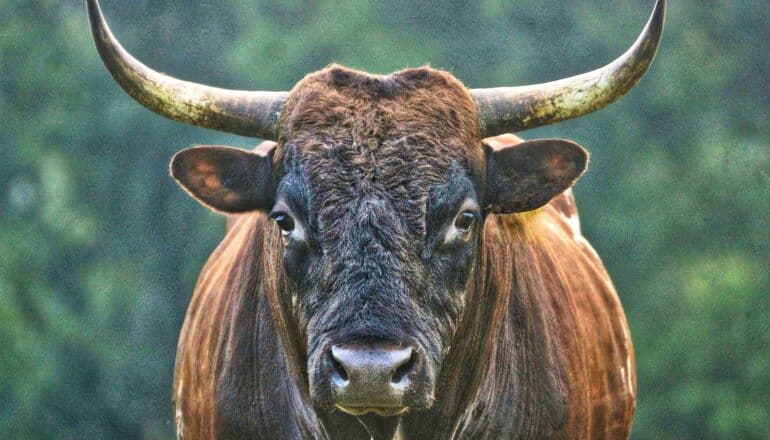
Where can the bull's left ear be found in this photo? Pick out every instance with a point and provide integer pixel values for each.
(227, 179)
(526, 176)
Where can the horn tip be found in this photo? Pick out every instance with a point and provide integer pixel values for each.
(93, 8)
(658, 15)
(99, 27)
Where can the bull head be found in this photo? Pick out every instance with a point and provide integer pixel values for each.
(379, 187)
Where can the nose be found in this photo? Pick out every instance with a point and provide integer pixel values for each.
(375, 378)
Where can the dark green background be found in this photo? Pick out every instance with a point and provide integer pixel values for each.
(99, 249)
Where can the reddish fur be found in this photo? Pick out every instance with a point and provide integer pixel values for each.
(339, 106)
(542, 341)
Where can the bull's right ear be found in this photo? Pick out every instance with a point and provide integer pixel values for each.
(227, 179)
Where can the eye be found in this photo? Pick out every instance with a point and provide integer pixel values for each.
(465, 220)
(285, 222)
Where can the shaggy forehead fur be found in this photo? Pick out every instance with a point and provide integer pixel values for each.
(391, 138)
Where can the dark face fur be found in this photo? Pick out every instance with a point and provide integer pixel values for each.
(376, 260)
(379, 232)
(380, 186)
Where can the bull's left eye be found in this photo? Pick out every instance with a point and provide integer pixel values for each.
(285, 222)
(292, 229)
(465, 220)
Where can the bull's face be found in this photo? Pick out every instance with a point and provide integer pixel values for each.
(378, 263)
(380, 191)
(379, 187)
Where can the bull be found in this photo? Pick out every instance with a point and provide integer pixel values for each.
(397, 265)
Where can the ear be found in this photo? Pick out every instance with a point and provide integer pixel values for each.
(526, 176)
(227, 179)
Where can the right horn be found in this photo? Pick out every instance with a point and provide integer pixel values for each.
(246, 113)
(512, 109)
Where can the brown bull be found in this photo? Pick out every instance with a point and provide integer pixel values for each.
(396, 266)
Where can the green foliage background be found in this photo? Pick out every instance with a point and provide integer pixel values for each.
(99, 250)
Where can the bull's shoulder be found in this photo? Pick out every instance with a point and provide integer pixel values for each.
(562, 211)
(568, 280)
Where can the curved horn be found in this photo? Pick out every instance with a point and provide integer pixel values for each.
(246, 113)
(512, 109)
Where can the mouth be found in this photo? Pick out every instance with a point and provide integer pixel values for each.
(380, 411)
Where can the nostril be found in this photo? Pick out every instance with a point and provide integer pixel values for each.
(338, 367)
(403, 370)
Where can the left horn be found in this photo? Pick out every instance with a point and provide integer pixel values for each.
(247, 113)
(512, 109)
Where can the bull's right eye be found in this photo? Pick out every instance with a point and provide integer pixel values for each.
(285, 222)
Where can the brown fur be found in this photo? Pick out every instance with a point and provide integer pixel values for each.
(342, 107)
(542, 349)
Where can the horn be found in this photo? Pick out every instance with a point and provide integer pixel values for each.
(512, 109)
(247, 113)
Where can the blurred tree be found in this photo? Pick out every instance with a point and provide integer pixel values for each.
(100, 250)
